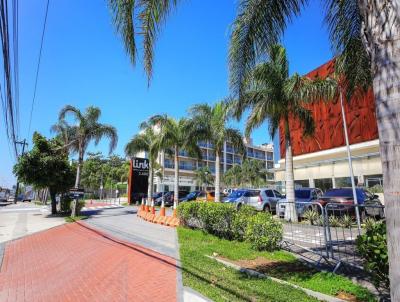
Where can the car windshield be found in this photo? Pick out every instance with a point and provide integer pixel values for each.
(191, 195)
(302, 193)
(236, 194)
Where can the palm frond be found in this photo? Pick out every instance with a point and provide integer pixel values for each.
(123, 18)
(235, 138)
(344, 23)
(259, 24)
(70, 109)
(152, 16)
(108, 131)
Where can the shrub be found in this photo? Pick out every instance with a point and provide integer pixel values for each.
(372, 247)
(65, 204)
(79, 205)
(241, 220)
(334, 221)
(188, 213)
(347, 221)
(264, 232)
(312, 216)
(216, 218)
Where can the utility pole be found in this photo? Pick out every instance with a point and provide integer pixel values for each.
(23, 143)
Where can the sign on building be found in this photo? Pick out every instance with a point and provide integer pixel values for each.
(138, 179)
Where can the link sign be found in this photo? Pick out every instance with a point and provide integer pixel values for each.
(138, 178)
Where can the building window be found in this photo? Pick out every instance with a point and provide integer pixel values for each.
(341, 182)
(373, 180)
(323, 183)
(270, 165)
(169, 164)
(270, 156)
(302, 183)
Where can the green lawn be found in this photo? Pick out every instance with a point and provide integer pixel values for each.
(220, 283)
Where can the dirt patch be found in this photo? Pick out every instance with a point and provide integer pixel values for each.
(347, 297)
(267, 266)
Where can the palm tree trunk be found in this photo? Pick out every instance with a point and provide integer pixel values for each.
(290, 213)
(217, 177)
(381, 33)
(53, 201)
(77, 181)
(176, 180)
(150, 185)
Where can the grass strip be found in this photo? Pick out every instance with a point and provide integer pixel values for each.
(219, 283)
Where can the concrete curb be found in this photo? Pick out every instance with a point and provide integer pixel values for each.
(190, 295)
(2, 250)
(252, 273)
(179, 280)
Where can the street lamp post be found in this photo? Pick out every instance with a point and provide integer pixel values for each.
(353, 185)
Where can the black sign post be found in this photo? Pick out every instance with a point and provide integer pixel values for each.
(139, 178)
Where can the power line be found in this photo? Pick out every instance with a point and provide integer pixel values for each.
(38, 67)
(10, 107)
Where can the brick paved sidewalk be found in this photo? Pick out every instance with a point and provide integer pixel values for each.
(75, 263)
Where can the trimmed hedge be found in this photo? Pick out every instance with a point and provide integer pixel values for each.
(261, 230)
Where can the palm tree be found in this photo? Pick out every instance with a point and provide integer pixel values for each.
(203, 177)
(233, 177)
(78, 137)
(145, 141)
(273, 95)
(176, 135)
(253, 172)
(365, 36)
(211, 124)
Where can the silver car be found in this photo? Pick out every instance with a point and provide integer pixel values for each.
(304, 199)
(266, 200)
(262, 199)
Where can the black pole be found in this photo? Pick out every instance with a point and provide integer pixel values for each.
(23, 143)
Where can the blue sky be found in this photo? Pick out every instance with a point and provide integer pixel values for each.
(84, 63)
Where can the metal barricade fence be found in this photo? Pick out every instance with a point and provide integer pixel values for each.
(307, 238)
(343, 230)
(326, 233)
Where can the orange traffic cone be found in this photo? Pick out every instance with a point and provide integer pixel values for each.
(162, 210)
(153, 209)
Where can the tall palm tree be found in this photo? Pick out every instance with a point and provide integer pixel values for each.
(145, 141)
(273, 95)
(176, 135)
(87, 129)
(365, 35)
(211, 124)
(253, 172)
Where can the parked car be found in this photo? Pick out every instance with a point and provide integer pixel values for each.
(341, 202)
(304, 197)
(244, 197)
(169, 198)
(234, 196)
(191, 196)
(267, 200)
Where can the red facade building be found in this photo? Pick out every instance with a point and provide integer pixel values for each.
(360, 116)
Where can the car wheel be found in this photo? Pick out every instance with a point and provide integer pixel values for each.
(238, 206)
(267, 209)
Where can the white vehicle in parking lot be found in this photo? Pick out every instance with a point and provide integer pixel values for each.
(262, 199)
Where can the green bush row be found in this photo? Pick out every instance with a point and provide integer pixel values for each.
(261, 230)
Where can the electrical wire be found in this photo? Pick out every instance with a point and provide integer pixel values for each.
(37, 68)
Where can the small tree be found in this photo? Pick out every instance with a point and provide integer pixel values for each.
(46, 166)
